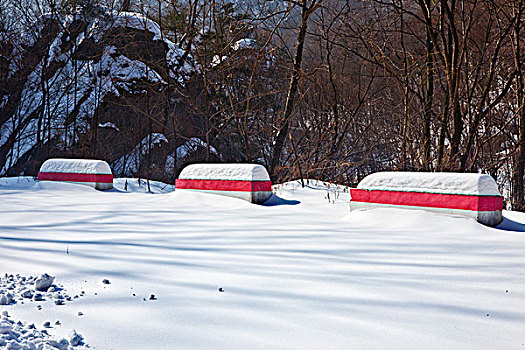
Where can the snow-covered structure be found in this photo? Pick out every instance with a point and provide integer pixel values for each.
(473, 195)
(91, 172)
(250, 182)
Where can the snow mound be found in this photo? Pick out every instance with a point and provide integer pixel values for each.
(17, 182)
(242, 172)
(83, 166)
(450, 183)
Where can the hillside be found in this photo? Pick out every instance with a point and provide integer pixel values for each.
(93, 84)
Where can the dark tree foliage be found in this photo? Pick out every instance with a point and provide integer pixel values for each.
(322, 89)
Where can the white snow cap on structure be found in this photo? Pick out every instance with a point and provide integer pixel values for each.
(225, 171)
(81, 166)
(450, 183)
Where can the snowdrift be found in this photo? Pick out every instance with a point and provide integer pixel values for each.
(250, 182)
(94, 173)
(472, 195)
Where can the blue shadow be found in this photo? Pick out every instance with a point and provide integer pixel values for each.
(275, 200)
(510, 225)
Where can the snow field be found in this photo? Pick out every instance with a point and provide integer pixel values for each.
(301, 272)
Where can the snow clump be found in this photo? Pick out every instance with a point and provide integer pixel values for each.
(21, 335)
(43, 282)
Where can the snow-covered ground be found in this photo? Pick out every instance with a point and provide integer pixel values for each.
(301, 272)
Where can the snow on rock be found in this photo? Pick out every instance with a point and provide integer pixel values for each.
(43, 282)
(108, 125)
(174, 57)
(113, 74)
(225, 171)
(129, 164)
(243, 44)
(185, 150)
(450, 183)
(138, 21)
(126, 71)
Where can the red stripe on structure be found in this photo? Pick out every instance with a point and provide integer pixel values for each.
(358, 195)
(490, 203)
(261, 186)
(224, 185)
(432, 200)
(75, 177)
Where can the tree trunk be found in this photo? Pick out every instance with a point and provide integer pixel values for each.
(429, 96)
(518, 200)
(292, 89)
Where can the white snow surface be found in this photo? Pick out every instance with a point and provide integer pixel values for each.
(225, 171)
(81, 166)
(451, 183)
(301, 272)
